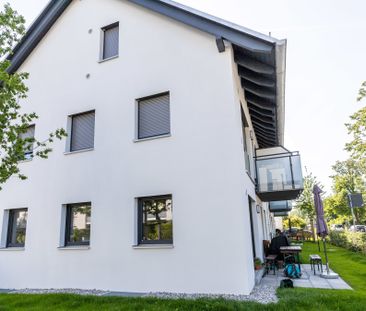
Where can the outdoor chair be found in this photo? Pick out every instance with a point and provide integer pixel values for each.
(316, 260)
(270, 260)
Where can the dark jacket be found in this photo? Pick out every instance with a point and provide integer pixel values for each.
(276, 243)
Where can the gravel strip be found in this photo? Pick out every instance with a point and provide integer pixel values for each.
(263, 294)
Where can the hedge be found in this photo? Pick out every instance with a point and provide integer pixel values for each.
(354, 241)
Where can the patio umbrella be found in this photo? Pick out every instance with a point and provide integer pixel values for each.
(321, 227)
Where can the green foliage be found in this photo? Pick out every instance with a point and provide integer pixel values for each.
(305, 203)
(357, 128)
(296, 221)
(354, 241)
(348, 178)
(13, 122)
(349, 175)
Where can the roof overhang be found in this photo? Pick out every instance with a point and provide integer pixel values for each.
(260, 59)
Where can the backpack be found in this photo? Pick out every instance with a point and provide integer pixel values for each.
(292, 271)
(286, 283)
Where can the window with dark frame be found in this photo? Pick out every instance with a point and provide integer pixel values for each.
(78, 218)
(29, 137)
(82, 131)
(110, 41)
(153, 116)
(17, 227)
(155, 220)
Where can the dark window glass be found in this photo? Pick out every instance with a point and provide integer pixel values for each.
(17, 227)
(82, 131)
(78, 218)
(28, 136)
(155, 220)
(154, 116)
(111, 41)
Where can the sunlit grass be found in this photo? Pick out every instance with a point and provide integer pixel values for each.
(351, 267)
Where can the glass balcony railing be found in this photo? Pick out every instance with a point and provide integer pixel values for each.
(280, 206)
(280, 214)
(279, 174)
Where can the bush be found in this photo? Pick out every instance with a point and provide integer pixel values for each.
(354, 241)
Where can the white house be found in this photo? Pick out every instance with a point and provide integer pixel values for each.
(163, 182)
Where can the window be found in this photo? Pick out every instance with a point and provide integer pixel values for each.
(110, 41)
(17, 227)
(78, 217)
(29, 137)
(154, 116)
(155, 221)
(82, 131)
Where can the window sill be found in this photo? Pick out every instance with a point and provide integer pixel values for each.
(137, 140)
(74, 248)
(15, 249)
(78, 151)
(107, 59)
(153, 246)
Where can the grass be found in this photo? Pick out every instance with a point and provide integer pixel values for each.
(351, 266)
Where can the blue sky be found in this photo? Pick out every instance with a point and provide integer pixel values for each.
(326, 64)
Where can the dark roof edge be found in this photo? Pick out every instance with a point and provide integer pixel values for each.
(238, 35)
(220, 28)
(36, 32)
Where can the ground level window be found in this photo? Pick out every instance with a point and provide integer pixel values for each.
(17, 227)
(78, 217)
(155, 220)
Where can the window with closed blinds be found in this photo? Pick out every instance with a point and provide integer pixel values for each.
(28, 147)
(82, 131)
(154, 116)
(110, 41)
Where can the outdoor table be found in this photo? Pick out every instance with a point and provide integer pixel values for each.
(294, 250)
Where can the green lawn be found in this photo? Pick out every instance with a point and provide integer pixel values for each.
(351, 266)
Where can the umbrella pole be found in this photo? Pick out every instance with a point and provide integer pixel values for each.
(326, 256)
(318, 243)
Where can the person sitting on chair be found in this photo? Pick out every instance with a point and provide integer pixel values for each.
(279, 240)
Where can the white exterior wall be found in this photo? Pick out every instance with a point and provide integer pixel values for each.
(201, 164)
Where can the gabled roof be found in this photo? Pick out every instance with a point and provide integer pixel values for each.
(260, 59)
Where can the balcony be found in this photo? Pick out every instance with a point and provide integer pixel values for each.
(279, 174)
(280, 214)
(280, 206)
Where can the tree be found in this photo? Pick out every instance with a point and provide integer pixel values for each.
(295, 220)
(348, 178)
(305, 202)
(13, 122)
(357, 128)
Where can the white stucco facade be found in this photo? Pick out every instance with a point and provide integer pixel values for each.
(201, 163)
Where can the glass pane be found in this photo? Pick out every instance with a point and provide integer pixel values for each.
(280, 206)
(157, 220)
(18, 227)
(274, 174)
(297, 171)
(79, 224)
(29, 136)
